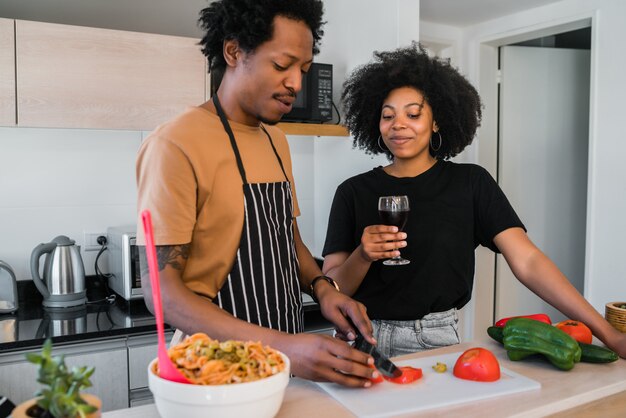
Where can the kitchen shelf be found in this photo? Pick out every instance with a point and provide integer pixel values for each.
(313, 129)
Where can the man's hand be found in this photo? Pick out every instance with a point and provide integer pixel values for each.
(381, 241)
(325, 359)
(344, 312)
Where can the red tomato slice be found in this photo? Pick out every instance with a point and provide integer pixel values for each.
(409, 375)
(577, 330)
(477, 364)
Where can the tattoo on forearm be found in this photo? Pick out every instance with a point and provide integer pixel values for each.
(166, 254)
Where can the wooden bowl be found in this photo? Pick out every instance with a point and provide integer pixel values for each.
(615, 315)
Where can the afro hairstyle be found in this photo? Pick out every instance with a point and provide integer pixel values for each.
(455, 103)
(250, 22)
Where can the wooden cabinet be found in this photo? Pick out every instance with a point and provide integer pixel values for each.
(18, 377)
(63, 76)
(80, 77)
(7, 72)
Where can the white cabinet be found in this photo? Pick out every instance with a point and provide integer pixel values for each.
(80, 77)
(7, 72)
(141, 351)
(121, 375)
(18, 377)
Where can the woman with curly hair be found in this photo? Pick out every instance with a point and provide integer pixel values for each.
(218, 182)
(419, 111)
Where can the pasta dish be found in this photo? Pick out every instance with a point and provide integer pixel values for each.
(205, 361)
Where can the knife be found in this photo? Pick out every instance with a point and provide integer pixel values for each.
(382, 363)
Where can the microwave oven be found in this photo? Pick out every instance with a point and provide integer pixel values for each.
(125, 279)
(314, 103)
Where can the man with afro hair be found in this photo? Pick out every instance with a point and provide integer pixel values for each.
(219, 184)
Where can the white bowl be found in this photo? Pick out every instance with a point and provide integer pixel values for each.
(259, 399)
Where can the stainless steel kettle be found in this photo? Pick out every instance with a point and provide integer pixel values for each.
(63, 282)
(8, 304)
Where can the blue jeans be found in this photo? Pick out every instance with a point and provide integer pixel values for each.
(395, 338)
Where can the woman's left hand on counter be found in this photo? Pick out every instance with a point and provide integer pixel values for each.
(617, 342)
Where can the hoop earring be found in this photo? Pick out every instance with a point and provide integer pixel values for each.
(383, 149)
(440, 142)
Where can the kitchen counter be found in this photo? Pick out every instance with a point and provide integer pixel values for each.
(596, 386)
(32, 323)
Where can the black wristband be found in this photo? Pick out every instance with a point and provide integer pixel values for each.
(312, 285)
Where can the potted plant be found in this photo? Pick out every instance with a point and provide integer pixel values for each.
(60, 397)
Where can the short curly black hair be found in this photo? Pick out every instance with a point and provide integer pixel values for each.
(250, 22)
(454, 101)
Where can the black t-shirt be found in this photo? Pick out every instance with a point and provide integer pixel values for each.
(454, 208)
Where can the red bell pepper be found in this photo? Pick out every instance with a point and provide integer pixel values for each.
(537, 317)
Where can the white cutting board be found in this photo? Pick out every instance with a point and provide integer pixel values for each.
(433, 390)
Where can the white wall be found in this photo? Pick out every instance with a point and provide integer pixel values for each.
(355, 29)
(67, 181)
(443, 40)
(606, 223)
(472, 47)
(63, 182)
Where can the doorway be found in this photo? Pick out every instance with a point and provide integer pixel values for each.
(485, 295)
(543, 142)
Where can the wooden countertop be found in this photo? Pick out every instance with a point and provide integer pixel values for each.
(596, 386)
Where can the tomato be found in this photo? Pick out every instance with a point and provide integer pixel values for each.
(379, 379)
(409, 375)
(537, 317)
(577, 330)
(477, 364)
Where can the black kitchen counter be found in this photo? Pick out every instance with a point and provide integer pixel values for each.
(32, 323)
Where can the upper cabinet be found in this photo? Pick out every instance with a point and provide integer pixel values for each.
(62, 76)
(7, 72)
(80, 77)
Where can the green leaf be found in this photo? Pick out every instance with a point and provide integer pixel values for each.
(61, 394)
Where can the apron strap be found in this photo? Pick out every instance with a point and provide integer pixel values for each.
(275, 152)
(229, 131)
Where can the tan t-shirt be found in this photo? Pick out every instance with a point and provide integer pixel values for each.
(187, 177)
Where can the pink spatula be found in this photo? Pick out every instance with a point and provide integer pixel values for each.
(167, 369)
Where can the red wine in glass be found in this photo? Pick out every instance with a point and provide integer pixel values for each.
(394, 210)
(399, 218)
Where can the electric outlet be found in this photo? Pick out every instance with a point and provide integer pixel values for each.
(91, 241)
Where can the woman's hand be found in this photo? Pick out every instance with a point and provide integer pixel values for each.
(616, 341)
(381, 242)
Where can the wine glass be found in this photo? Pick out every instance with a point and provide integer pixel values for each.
(394, 210)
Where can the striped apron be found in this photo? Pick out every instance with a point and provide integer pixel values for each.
(263, 286)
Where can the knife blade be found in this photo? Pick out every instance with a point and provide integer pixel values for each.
(382, 363)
